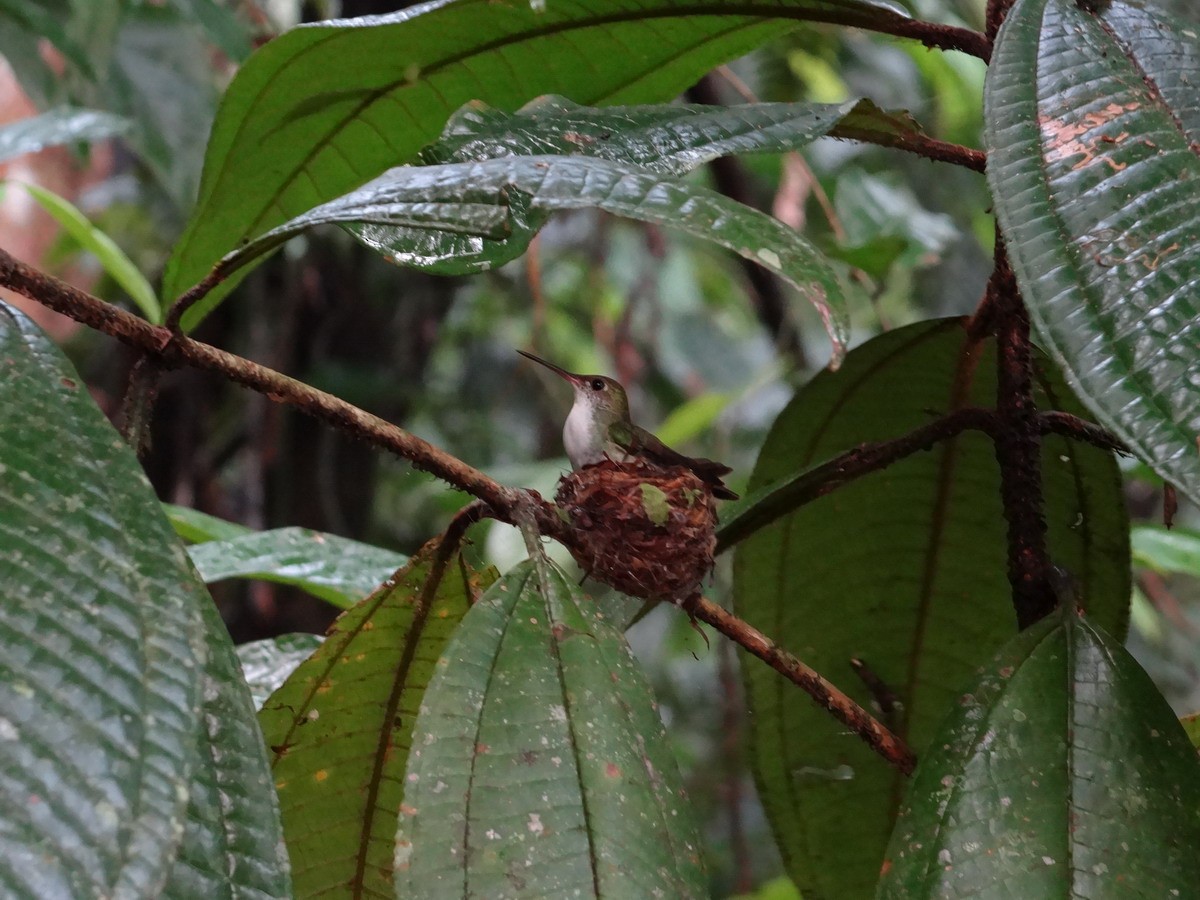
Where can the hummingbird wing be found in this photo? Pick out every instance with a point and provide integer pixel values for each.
(643, 443)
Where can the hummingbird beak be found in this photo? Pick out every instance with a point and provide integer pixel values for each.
(562, 373)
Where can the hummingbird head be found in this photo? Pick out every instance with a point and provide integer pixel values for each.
(602, 395)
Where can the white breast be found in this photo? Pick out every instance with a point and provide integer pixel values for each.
(580, 438)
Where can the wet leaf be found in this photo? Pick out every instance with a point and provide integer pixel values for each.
(333, 568)
(102, 644)
(58, 126)
(1062, 772)
(1093, 131)
(462, 217)
(540, 766)
(268, 663)
(324, 108)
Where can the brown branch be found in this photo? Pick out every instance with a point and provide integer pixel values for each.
(504, 503)
(916, 143)
(1055, 422)
(940, 37)
(840, 706)
(840, 470)
(1018, 449)
(159, 341)
(996, 12)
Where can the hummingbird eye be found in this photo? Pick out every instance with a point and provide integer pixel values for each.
(597, 384)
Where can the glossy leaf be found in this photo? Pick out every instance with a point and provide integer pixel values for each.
(268, 663)
(904, 569)
(58, 126)
(1062, 772)
(233, 840)
(111, 257)
(333, 568)
(540, 766)
(197, 527)
(339, 728)
(671, 140)
(324, 108)
(491, 209)
(102, 645)
(1093, 125)
(1191, 727)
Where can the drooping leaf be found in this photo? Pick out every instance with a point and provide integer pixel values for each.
(102, 644)
(233, 839)
(333, 568)
(670, 140)
(324, 108)
(58, 126)
(904, 569)
(197, 527)
(268, 663)
(339, 728)
(111, 257)
(1093, 127)
(1062, 772)
(540, 766)
(469, 216)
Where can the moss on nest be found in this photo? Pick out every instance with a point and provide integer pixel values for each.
(647, 531)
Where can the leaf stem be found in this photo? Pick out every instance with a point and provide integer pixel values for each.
(877, 736)
(918, 144)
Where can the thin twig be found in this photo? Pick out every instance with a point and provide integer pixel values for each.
(878, 737)
(840, 470)
(881, 692)
(918, 144)
(1055, 422)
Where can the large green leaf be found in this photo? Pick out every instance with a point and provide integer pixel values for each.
(102, 645)
(468, 216)
(339, 728)
(233, 839)
(333, 568)
(540, 766)
(905, 569)
(324, 108)
(1093, 127)
(1061, 773)
(1166, 549)
(672, 140)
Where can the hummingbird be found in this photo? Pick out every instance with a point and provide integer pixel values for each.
(598, 428)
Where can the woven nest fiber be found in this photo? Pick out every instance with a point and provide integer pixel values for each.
(647, 531)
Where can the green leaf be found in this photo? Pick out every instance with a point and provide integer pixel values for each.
(904, 569)
(197, 527)
(102, 645)
(670, 140)
(58, 126)
(1174, 550)
(654, 502)
(1093, 130)
(268, 663)
(1062, 772)
(540, 766)
(38, 23)
(497, 205)
(324, 108)
(339, 728)
(233, 839)
(333, 568)
(111, 257)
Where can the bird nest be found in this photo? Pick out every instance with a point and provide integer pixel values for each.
(647, 531)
